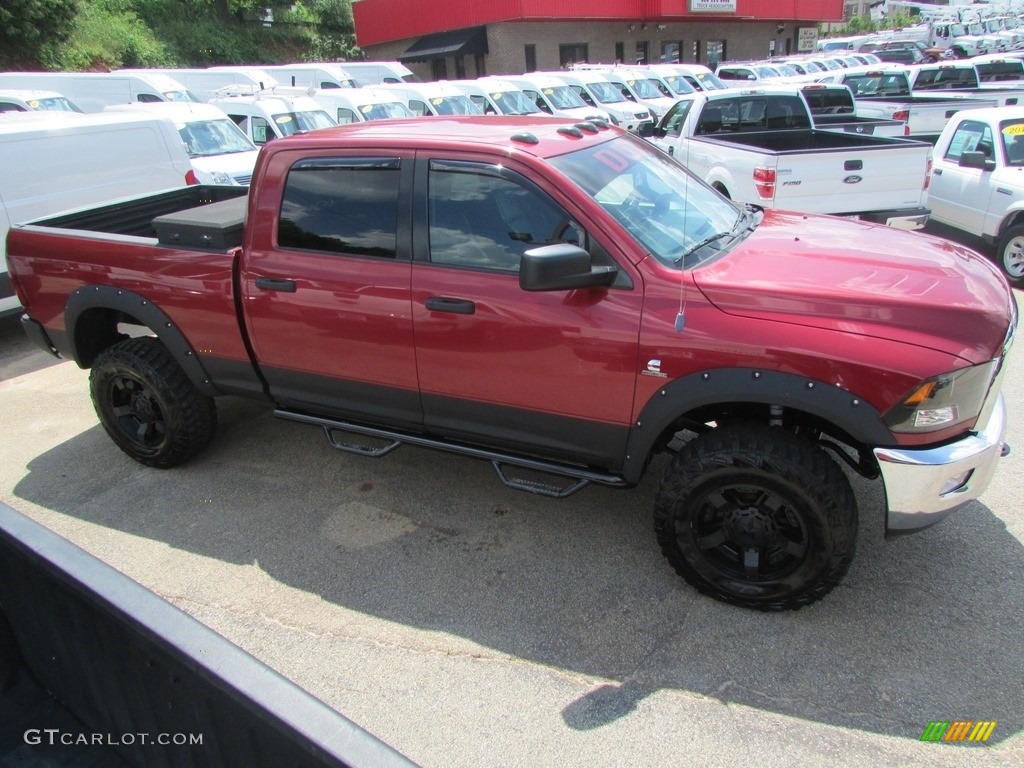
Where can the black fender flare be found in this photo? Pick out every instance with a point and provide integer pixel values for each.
(830, 403)
(107, 297)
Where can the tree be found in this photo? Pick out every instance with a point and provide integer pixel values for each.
(29, 27)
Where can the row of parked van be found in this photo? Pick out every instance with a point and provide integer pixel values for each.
(156, 132)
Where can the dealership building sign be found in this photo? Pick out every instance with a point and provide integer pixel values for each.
(712, 6)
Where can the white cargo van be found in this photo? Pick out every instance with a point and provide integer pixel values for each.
(355, 105)
(555, 98)
(497, 96)
(94, 91)
(204, 83)
(322, 76)
(433, 99)
(374, 72)
(264, 116)
(642, 88)
(35, 101)
(598, 92)
(54, 162)
(219, 151)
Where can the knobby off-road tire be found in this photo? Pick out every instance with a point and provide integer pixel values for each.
(757, 516)
(1010, 255)
(147, 404)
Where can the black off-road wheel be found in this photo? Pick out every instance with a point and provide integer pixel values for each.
(757, 517)
(1010, 255)
(147, 404)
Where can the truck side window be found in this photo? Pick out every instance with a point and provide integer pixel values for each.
(343, 205)
(261, 131)
(486, 221)
(970, 136)
(676, 117)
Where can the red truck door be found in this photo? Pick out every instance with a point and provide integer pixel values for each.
(326, 285)
(534, 370)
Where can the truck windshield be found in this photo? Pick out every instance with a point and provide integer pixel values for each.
(182, 97)
(673, 215)
(514, 103)
(708, 81)
(679, 85)
(644, 88)
(563, 97)
(299, 122)
(206, 138)
(606, 93)
(385, 110)
(455, 105)
(52, 104)
(1012, 133)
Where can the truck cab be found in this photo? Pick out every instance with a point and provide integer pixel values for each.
(978, 182)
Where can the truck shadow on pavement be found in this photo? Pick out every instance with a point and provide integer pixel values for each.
(926, 627)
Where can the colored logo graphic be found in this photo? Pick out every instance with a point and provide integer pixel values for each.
(958, 730)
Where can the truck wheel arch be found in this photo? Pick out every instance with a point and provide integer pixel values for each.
(693, 397)
(91, 316)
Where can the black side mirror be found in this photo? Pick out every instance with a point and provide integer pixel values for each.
(561, 267)
(977, 160)
(647, 130)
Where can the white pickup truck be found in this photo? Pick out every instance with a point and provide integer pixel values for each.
(886, 92)
(984, 77)
(758, 146)
(978, 182)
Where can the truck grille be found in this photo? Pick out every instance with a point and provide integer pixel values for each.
(244, 179)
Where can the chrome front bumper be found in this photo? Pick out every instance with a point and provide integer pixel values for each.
(923, 487)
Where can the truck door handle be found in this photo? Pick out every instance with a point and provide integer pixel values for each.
(455, 306)
(938, 171)
(275, 284)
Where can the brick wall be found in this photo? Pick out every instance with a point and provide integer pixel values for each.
(506, 43)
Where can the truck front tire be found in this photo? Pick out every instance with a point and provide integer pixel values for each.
(757, 517)
(147, 404)
(1010, 255)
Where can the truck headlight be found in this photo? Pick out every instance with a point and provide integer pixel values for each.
(943, 401)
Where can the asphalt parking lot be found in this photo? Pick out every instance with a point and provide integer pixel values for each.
(467, 624)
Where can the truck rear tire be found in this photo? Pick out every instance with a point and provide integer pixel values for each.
(757, 516)
(1010, 255)
(147, 404)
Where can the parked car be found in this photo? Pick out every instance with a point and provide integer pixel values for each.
(555, 298)
(978, 182)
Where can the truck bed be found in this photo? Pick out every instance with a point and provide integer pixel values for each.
(135, 217)
(805, 141)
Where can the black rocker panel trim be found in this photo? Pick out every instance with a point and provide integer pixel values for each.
(234, 377)
(343, 398)
(146, 312)
(844, 409)
(568, 439)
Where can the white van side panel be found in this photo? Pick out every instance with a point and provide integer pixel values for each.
(61, 167)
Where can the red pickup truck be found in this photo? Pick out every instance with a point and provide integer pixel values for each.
(557, 298)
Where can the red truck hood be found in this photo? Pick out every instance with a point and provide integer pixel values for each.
(868, 279)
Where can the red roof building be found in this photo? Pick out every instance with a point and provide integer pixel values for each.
(469, 38)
